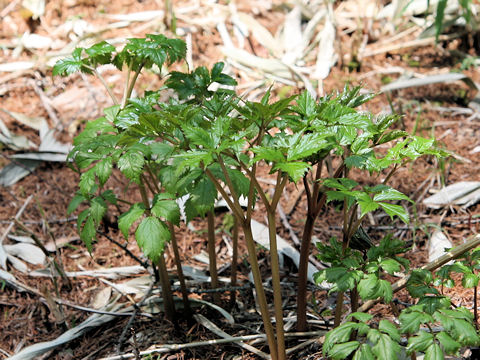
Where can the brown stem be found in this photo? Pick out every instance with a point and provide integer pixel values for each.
(277, 289)
(354, 299)
(233, 275)
(261, 298)
(303, 273)
(181, 277)
(212, 256)
(168, 303)
(338, 309)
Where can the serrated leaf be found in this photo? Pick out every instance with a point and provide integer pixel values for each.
(268, 154)
(469, 281)
(420, 342)
(309, 144)
(366, 203)
(386, 348)
(151, 236)
(391, 194)
(448, 343)
(385, 290)
(100, 53)
(165, 207)
(131, 165)
(295, 170)
(98, 208)
(395, 210)
(364, 352)
(75, 202)
(103, 169)
(388, 328)
(434, 352)
(338, 335)
(360, 316)
(88, 233)
(126, 220)
(87, 181)
(69, 65)
(341, 351)
(390, 266)
(305, 104)
(367, 286)
(110, 196)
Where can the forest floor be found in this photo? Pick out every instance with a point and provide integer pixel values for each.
(440, 110)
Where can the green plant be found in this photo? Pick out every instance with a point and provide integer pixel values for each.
(433, 325)
(203, 143)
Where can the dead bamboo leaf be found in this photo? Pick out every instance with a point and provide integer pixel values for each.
(438, 245)
(16, 66)
(463, 193)
(428, 80)
(28, 252)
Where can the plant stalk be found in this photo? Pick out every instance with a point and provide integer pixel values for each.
(169, 305)
(212, 255)
(181, 277)
(261, 298)
(233, 275)
(277, 289)
(303, 274)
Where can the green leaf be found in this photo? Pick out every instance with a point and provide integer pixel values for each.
(131, 165)
(338, 335)
(126, 220)
(360, 316)
(390, 266)
(98, 208)
(388, 328)
(395, 210)
(151, 236)
(386, 348)
(305, 104)
(110, 196)
(391, 194)
(103, 169)
(100, 53)
(469, 281)
(385, 290)
(434, 352)
(410, 320)
(69, 65)
(166, 208)
(366, 203)
(295, 170)
(449, 344)
(88, 233)
(75, 202)
(341, 351)
(268, 154)
(364, 352)
(202, 198)
(420, 342)
(87, 181)
(308, 145)
(367, 286)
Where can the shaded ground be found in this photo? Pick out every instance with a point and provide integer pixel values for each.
(26, 320)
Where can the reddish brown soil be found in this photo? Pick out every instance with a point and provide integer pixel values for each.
(25, 320)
